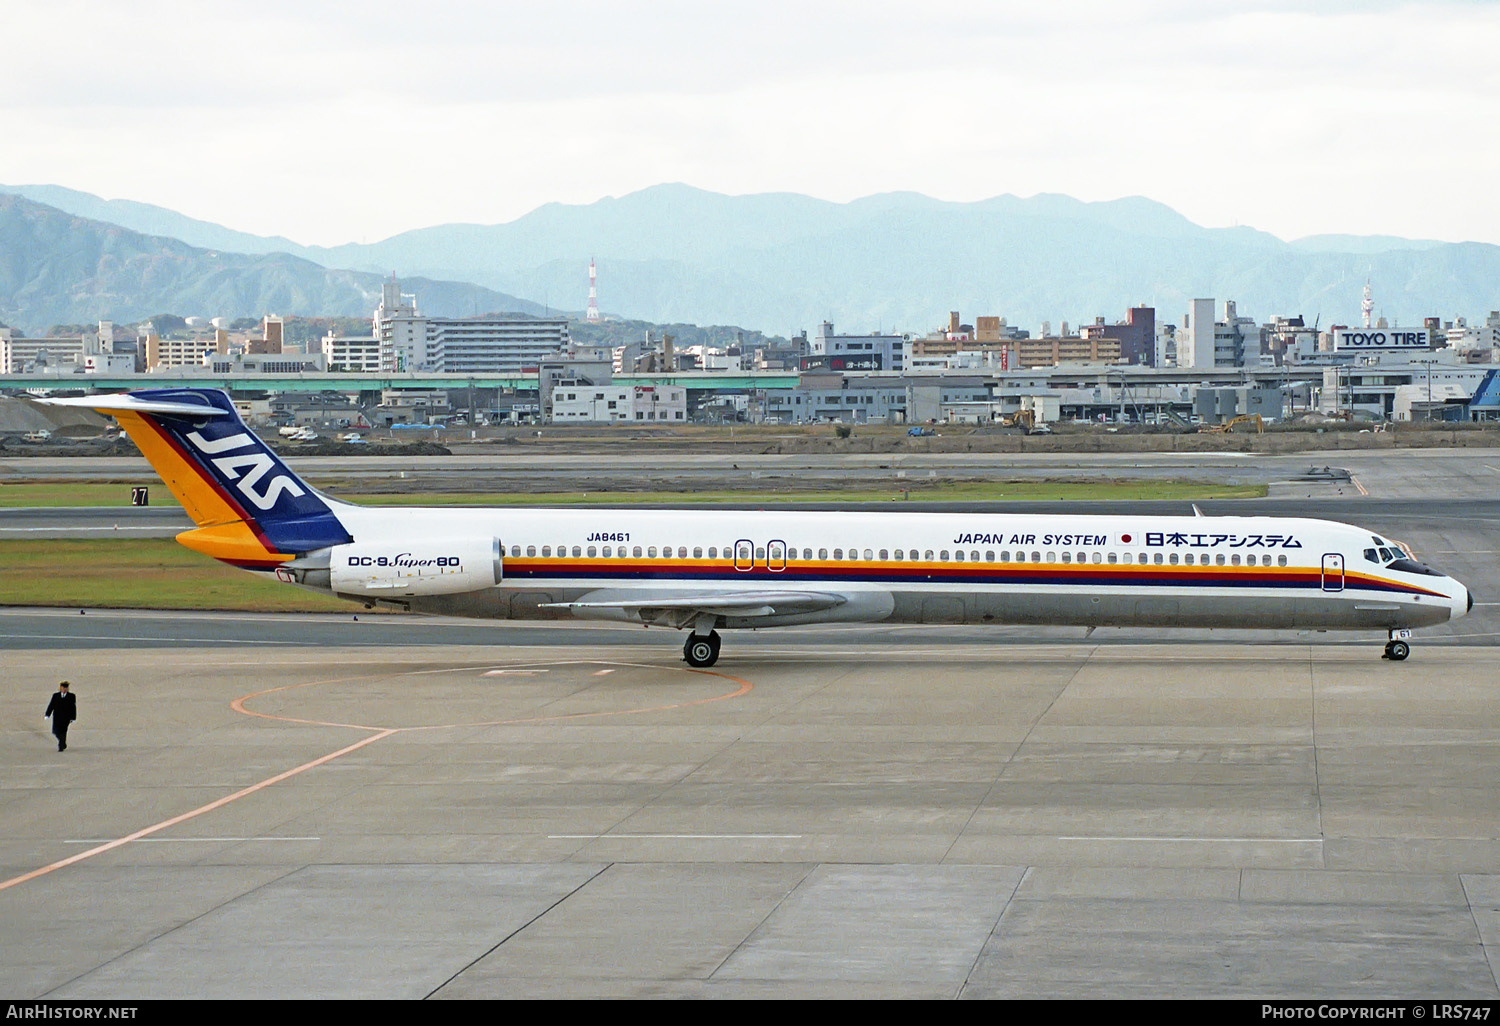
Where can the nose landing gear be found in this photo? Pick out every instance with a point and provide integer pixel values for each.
(702, 650)
(1396, 649)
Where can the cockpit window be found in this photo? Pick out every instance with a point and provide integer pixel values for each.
(1411, 566)
(1372, 556)
(1389, 554)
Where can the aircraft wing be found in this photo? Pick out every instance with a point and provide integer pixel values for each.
(682, 608)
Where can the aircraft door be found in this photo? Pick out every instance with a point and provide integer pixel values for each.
(1333, 571)
(776, 556)
(744, 555)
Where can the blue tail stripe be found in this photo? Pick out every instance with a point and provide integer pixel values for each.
(289, 514)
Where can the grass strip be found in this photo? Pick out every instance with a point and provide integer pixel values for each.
(143, 574)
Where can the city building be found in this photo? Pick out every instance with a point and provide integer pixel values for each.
(1369, 387)
(1136, 335)
(580, 403)
(829, 351)
(168, 353)
(1466, 337)
(1195, 339)
(410, 341)
(272, 331)
(355, 354)
(1051, 352)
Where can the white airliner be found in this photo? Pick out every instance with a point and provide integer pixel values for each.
(706, 570)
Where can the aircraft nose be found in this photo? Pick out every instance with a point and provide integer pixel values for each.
(1463, 602)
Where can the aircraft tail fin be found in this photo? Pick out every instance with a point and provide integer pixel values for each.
(250, 508)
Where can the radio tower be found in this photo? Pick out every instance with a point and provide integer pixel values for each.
(1367, 305)
(593, 313)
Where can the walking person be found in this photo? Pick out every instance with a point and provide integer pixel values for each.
(64, 710)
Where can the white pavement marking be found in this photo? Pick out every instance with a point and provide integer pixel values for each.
(674, 837)
(127, 637)
(1198, 840)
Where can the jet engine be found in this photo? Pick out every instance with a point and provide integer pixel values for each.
(390, 570)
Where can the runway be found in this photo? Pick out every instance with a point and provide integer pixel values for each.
(571, 811)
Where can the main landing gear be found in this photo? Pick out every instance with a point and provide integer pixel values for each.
(702, 650)
(1396, 649)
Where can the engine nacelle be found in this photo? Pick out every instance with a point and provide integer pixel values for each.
(392, 570)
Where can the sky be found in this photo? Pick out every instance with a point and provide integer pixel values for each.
(336, 122)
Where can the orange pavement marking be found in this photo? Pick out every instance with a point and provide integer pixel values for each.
(238, 705)
(211, 806)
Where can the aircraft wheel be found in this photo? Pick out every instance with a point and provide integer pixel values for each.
(1397, 650)
(701, 650)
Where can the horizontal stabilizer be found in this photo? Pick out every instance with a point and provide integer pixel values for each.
(124, 403)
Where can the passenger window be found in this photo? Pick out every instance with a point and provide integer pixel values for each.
(869, 556)
(1052, 557)
(884, 555)
(1219, 559)
(1113, 557)
(515, 550)
(928, 556)
(606, 552)
(713, 552)
(1188, 559)
(651, 552)
(1281, 560)
(1005, 557)
(974, 556)
(898, 554)
(1174, 559)
(531, 550)
(1067, 557)
(838, 553)
(1098, 557)
(1158, 559)
(822, 553)
(1234, 560)
(593, 551)
(636, 552)
(1036, 557)
(760, 554)
(697, 551)
(944, 556)
(989, 555)
(959, 556)
(547, 550)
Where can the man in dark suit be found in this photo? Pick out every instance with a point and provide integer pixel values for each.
(64, 710)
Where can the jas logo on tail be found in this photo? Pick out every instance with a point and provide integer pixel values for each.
(246, 469)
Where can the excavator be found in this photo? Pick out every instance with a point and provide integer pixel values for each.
(1228, 426)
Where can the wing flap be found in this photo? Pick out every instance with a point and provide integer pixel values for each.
(680, 608)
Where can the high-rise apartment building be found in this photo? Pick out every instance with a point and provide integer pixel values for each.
(496, 344)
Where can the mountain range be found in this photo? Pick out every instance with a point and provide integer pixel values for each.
(60, 268)
(783, 262)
